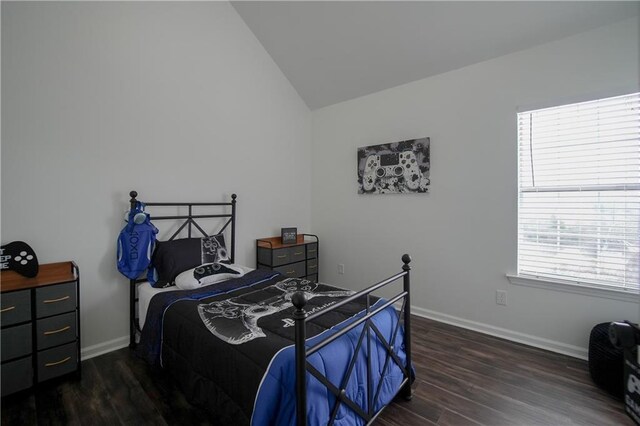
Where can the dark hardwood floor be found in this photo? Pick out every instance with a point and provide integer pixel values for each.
(463, 378)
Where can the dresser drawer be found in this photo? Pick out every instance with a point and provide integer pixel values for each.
(298, 253)
(55, 299)
(294, 270)
(57, 361)
(275, 257)
(282, 256)
(312, 250)
(16, 341)
(16, 376)
(56, 330)
(312, 266)
(16, 307)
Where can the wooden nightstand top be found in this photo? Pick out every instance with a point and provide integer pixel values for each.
(276, 242)
(48, 274)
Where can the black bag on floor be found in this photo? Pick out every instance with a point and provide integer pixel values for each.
(606, 361)
(626, 336)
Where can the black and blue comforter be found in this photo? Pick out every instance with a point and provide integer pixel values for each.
(230, 347)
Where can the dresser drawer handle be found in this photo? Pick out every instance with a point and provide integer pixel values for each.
(290, 272)
(282, 256)
(312, 251)
(62, 361)
(56, 300)
(46, 333)
(298, 253)
(10, 308)
(312, 267)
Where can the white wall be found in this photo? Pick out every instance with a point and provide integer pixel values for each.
(176, 100)
(462, 235)
(180, 102)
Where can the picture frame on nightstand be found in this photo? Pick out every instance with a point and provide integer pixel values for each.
(289, 235)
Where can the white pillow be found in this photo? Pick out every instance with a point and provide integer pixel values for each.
(207, 274)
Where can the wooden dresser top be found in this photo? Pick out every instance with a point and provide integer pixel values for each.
(276, 242)
(48, 274)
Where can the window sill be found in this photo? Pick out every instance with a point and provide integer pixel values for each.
(573, 287)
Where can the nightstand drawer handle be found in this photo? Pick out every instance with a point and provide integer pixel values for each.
(10, 308)
(290, 272)
(282, 256)
(298, 253)
(56, 300)
(46, 333)
(62, 361)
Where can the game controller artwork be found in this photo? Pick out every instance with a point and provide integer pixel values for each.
(236, 322)
(398, 167)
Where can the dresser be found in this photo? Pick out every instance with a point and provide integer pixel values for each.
(40, 326)
(299, 260)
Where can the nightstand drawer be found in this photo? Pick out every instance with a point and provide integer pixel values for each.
(16, 307)
(281, 256)
(297, 254)
(55, 299)
(57, 361)
(312, 266)
(312, 250)
(294, 270)
(16, 376)
(16, 341)
(275, 257)
(56, 330)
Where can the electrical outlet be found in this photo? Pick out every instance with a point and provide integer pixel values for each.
(501, 297)
(341, 268)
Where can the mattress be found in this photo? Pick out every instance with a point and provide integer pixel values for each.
(146, 292)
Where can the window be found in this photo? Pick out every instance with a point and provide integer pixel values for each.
(579, 193)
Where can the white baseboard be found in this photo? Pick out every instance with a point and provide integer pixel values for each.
(527, 339)
(104, 347)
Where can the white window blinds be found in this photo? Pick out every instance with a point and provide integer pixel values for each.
(579, 192)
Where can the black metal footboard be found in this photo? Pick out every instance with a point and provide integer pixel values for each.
(368, 414)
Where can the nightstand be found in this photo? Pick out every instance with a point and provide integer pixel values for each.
(299, 260)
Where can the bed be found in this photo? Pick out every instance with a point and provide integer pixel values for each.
(262, 349)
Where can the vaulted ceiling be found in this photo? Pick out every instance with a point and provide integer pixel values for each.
(335, 51)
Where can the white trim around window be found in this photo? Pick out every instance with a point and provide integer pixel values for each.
(576, 287)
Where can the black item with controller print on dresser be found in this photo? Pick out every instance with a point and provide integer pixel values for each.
(298, 260)
(40, 319)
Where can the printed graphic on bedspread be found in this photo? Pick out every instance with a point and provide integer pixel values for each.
(236, 322)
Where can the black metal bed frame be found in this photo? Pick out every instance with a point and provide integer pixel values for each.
(189, 223)
(302, 352)
(301, 317)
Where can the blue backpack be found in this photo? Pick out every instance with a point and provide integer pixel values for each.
(135, 243)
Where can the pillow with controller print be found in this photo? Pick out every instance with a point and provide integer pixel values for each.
(207, 274)
(18, 256)
(170, 258)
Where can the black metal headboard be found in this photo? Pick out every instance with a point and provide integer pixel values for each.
(189, 223)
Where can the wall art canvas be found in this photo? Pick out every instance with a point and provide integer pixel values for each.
(392, 168)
